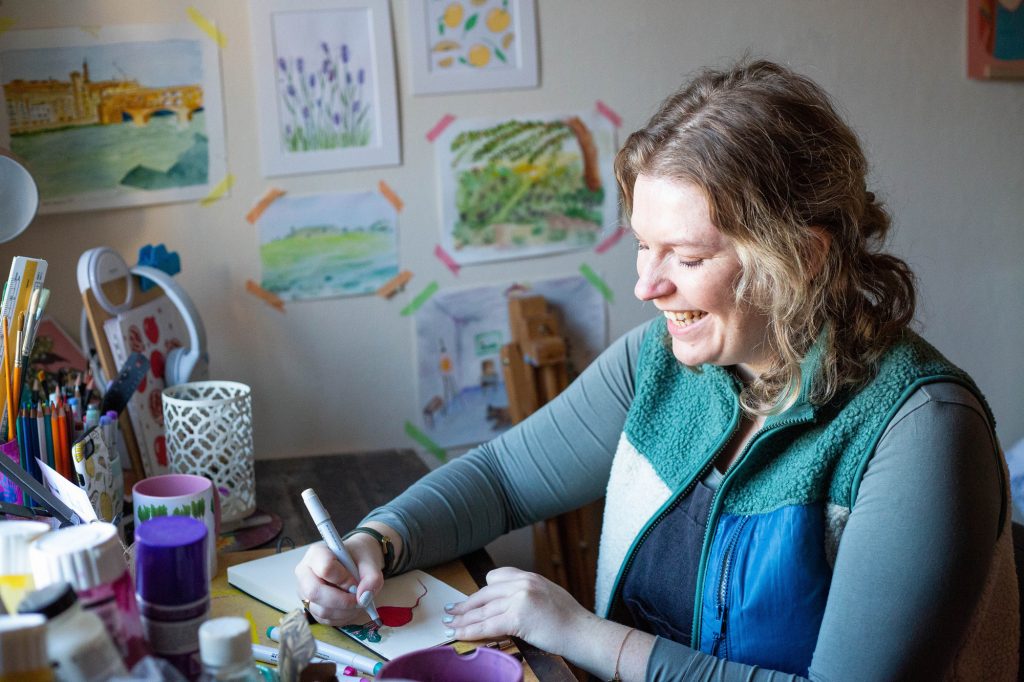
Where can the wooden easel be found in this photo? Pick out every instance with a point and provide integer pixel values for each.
(535, 370)
(117, 290)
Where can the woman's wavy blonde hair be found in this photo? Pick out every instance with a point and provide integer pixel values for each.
(779, 166)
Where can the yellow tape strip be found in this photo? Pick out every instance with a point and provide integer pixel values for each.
(219, 191)
(94, 31)
(395, 284)
(6, 23)
(252, 627)
(208, 27)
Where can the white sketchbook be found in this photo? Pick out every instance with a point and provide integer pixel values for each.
(408, 625)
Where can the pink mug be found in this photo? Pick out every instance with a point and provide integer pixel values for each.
(181, 495)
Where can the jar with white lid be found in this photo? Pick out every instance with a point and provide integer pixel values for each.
(91, 558)
(23, 649)
(77, 643)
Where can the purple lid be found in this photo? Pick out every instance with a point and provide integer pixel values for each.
(170, 560)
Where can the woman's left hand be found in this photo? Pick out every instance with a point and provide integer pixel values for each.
(523, 605)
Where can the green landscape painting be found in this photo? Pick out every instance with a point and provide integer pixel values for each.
(525, 186)
(328, 245)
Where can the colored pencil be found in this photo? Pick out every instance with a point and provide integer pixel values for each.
(11, 427)
(48, 430)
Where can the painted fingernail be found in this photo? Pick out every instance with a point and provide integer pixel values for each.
(447, 619)
(449, 632)
(351, 589)
(449, 606)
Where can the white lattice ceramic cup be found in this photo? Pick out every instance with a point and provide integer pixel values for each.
(209, 433)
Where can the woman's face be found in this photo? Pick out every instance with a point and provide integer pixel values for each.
(689, 270)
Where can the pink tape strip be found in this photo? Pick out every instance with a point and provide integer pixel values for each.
(436, 131)
(609, 113)
(443, 256)
(611, 241)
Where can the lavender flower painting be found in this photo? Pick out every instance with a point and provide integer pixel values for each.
(326, 106)
(326, 87)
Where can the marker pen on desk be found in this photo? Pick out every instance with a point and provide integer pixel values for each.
(336, 654)
(330, 534)
(268, 654)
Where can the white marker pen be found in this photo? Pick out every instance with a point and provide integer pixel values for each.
(335, 654)
(330, 535)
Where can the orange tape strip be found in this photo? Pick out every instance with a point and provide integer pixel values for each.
(390, 195)
(259, 292)
(395, 284)
(269, 197)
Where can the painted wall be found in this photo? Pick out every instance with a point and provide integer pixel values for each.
(335, 376)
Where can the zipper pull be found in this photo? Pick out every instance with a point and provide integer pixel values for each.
(719, 637)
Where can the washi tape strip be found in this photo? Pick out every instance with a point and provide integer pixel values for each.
(269, 197)
(273, 300)
(449, 262)
(253, 630)
(611, 241)
(390, 195)
(439, 127)
(424, 440)
(609, 113)
(395, 284)
(219, 191)
(208, 27)
(597, 282)
(420, 299)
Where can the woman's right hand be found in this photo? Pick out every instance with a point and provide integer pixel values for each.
(325, 582)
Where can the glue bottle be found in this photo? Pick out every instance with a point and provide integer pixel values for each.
(225, 647)
(23, 649)
(77, 642)
(15, 570)
(91, 558)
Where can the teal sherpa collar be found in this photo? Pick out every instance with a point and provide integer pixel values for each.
(680, 418)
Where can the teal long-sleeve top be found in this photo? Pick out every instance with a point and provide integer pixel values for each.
(912, 560)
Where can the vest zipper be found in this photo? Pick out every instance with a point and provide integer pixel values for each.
(723, 588)
(668, 509)
(712, 521)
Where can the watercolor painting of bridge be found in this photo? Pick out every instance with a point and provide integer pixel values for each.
(115, 116)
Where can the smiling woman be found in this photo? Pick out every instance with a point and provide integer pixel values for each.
(793, 478)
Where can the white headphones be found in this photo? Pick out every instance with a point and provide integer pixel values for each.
(101, 265)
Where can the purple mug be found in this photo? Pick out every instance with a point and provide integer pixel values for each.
(442, 664)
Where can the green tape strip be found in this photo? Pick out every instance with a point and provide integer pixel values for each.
(597, 282)
(420, 299)
(421, 438)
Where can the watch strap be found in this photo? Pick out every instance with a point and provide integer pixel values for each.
(387, 548)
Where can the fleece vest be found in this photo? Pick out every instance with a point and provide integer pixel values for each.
(776, 521)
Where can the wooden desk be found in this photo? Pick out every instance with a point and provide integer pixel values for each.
(350, 486)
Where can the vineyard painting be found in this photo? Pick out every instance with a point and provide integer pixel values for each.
(326, 85)
(328, 245)
(526, 186)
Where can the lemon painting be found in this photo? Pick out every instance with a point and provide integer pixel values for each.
(328, 245)
(526, 186)
(472, 35)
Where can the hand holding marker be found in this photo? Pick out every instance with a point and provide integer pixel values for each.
(330, 535)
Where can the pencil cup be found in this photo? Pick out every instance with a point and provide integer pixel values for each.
(209, 433)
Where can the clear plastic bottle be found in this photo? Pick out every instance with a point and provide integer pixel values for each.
(226, 652)
(77, 642)
(23, 649)
(91, 558)
(15, 570)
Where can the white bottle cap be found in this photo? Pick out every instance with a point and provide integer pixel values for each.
(85, 556)
(14, 539)
(225, 642)
(22, 644)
